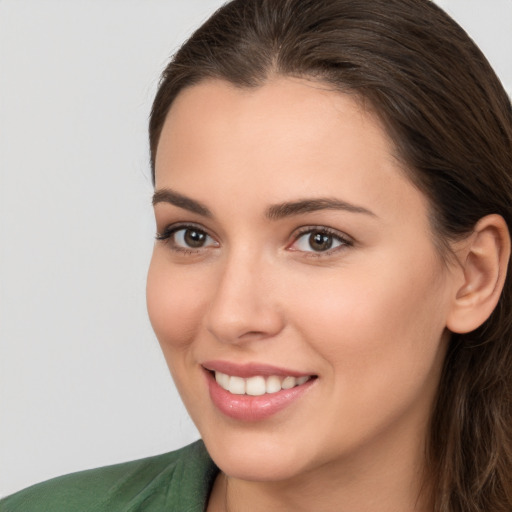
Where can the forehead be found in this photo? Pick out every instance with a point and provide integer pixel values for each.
(285, 139)
(291, 101)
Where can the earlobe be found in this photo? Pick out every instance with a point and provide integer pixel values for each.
(484, 262)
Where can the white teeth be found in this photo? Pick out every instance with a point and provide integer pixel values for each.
(236, 385)
(222, 379)
(273, 384)
(288, 382)
(255, 386)
(258, 385)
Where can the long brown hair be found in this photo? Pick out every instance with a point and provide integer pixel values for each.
(451, 122)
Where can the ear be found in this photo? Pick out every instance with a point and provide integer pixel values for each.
(484, 259)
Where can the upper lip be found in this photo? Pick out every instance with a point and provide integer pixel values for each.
(251, 369)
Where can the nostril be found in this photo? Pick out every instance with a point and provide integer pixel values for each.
(253, 334)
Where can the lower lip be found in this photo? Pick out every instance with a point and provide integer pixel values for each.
(253, 408)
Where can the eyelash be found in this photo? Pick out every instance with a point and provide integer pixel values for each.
(344, 240)
(167, 236)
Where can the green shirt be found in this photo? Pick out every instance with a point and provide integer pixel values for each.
(178, 481)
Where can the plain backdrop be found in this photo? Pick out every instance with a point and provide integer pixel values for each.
(82, 380)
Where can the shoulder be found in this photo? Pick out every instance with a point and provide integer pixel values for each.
(179, 480)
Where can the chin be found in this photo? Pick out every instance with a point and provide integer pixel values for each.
(254, 467)
(258, 456)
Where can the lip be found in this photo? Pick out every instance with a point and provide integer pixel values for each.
(251, 369)
(248, 408)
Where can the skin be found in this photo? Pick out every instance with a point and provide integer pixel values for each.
(367, 317)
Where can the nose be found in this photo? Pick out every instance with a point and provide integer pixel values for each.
(244, 306)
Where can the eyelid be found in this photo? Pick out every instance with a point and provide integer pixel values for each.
(346, 240)
(170, 230)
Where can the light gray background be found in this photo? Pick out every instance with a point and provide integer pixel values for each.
(82, 381)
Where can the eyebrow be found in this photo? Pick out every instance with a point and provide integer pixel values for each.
(273, 212)
(288, 209)
(166, 195)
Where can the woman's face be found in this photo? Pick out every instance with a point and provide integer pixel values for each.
(293, 251)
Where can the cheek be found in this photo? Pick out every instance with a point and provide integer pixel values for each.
(174, 302)
(375, 324)
(381, 337)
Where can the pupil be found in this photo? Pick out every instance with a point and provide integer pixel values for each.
(320, 241)
(194, 238)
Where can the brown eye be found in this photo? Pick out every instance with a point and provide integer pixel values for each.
(194, 238)
(190, 238)
(320, 241)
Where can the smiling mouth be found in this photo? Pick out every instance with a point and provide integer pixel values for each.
(255, 392)
(258, 385)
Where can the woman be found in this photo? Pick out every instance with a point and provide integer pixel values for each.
(329, 281)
